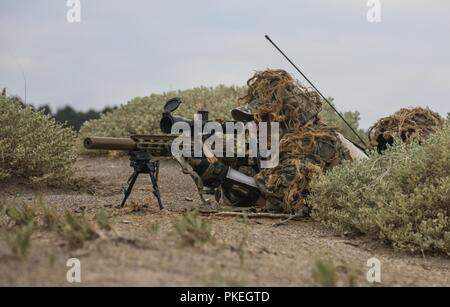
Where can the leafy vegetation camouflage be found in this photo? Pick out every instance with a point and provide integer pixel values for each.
(407, 124)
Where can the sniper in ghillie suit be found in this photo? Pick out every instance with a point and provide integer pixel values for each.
(182, 147)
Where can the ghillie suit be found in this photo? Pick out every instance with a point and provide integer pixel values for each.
(407, 124)
(273, 95)
(307, 145)
(304, 153)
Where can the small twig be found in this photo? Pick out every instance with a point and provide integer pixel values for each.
(115, 237)
(252, 215)
(290, 218)
(214, 211)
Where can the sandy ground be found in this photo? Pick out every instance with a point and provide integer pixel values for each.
(243, 252)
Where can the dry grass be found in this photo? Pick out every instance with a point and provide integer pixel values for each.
(49, 218)
(103, 220)
(19, 240)
(193, 228)
(153, 228)
(18, 224)
(324, 273)
(19, 215)
(20, 220)
(76, 230)
(327, 274)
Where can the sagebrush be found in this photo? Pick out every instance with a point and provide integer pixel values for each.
(401, 197)
(33, 145)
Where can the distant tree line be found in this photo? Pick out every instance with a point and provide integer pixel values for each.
(71, 117)
(67, 116)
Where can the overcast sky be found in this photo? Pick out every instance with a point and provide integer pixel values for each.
(123, 49)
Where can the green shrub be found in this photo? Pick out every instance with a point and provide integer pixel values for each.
(193, 228)
(401, 197)
(141, 115)
(20, 215)
(76, 230)
(32, 144)
(20, 240)
(324, 273)
(103, 219)
(49, 217)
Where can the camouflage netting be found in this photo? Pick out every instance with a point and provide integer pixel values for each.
(317, 143)
(307, 146)
(408, 124)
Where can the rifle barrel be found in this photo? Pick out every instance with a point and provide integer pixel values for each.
(109, 143)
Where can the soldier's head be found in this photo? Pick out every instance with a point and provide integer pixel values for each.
(244, 113)
(274, 95)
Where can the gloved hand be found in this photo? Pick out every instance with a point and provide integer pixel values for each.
(212, 174)
(234, 191)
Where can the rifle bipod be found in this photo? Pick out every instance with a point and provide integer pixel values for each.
(142, 163)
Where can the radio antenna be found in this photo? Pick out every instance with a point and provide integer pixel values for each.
(315, 88)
